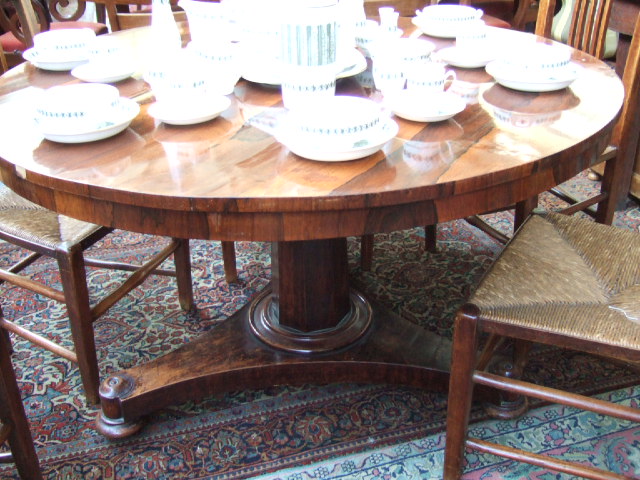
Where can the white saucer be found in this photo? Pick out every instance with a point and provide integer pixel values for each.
(270, 74)
(55, 64)
(121, 118)
(92, 72)
(202, 113)
(465, 58)
(433, 109)
(526, 82)
(324, 152)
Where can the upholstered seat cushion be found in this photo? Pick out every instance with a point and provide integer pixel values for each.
(583, 281)
(10, 43)
(24, 219)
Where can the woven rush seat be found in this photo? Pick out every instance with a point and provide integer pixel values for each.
(564, 281)
(23, 219)
(582, 281)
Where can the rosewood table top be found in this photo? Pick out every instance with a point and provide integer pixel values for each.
(229, 179)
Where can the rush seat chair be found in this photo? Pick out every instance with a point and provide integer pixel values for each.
(563, 281)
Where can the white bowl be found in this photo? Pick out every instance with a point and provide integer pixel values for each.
(76, 107)
(449, 13)
(64, 44)
(336, 121)
(445, 20)
(538, 59)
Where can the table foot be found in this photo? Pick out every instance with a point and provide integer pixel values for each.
(230, 357)
(117, 428)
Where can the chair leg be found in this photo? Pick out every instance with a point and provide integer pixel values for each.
(20, 440)
(465, 345)
(74, 285)
(366, 252)
(229, 262)
(430, 238)
(523, 210)
(182, 260)
(612, 184)
(7, 338)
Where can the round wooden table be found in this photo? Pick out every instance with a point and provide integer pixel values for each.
(229, 179)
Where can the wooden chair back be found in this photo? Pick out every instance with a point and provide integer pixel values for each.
(589, 23)
(4, 66)
(126, 14)
(588, 28)
(14, 427)
(406, 8)
(25, 19)
(22, 19)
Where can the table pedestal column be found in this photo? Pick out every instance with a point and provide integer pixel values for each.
(308, 327)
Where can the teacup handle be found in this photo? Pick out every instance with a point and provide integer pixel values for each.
(449, 75)
(479, 13)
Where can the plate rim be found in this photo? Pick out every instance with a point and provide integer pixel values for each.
(437, 118)
(226, 103)
(495, 65)
(360, 65)
(49, 64)
(105, 79)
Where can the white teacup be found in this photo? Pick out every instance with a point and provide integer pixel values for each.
(109, 53)
(179, 82)
(388, 18)
(305, 86)
(221, 59)
(208, 21)
(77, 107)
(367, 35)
(473, 36)
(428, 79)
(412, 51)
(388, 70)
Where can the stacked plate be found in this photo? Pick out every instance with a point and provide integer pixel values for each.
(83, 112)
(338, 129)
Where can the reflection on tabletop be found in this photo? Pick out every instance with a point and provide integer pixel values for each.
(441, 65)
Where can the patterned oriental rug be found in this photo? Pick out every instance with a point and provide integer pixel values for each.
(316, 430)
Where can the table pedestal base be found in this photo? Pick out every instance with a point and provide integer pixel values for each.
(230, 357)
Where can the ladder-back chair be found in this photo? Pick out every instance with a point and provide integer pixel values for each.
(563, 281)
(126, 14)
